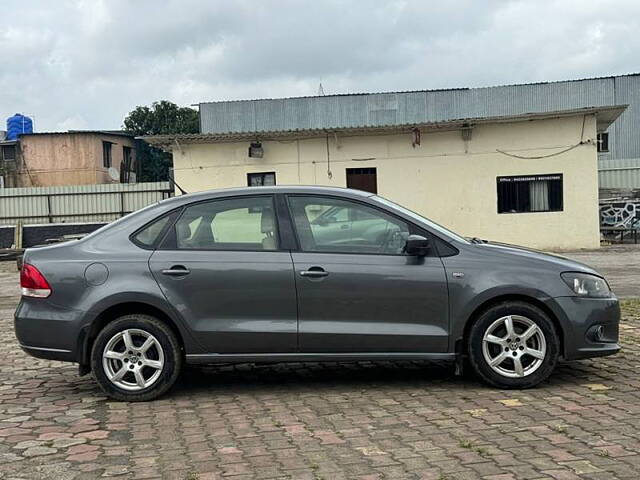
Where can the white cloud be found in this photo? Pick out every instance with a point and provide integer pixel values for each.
(89, 62)
(75, 122)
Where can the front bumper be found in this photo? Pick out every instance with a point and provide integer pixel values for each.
(590, 326)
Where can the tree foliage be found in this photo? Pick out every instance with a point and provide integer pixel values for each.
(161, 118)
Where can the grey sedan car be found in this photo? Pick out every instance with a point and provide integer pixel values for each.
(273, 274)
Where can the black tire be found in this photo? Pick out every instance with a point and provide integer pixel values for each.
(170, 350)
(497, 379)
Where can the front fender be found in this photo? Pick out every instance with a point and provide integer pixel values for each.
(477, 276)
(464, 304)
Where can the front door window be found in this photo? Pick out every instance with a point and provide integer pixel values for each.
(338, 226)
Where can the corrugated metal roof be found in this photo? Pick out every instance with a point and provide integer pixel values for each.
(605, 116)
(432, 106)
(383, 109)
(551, 82)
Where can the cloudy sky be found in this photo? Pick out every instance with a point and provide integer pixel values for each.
(86, 63)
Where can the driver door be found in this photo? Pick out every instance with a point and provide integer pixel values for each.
(357, 290)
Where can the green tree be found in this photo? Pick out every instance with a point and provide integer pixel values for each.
(161, 118)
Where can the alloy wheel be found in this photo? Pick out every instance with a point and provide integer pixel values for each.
(514, 346)
(133, 359)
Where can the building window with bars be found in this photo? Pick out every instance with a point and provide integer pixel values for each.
(530, 193)
(261, 179)
(603, 142)
(106, 154)
(8, 153)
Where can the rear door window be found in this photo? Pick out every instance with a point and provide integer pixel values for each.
(232, 224)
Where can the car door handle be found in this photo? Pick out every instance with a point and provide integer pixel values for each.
(176, 271)
(314, 272)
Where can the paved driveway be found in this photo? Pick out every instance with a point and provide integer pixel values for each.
(312, 421)
(620, 264)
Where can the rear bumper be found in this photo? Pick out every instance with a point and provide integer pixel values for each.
(48, 331)
(590, 326)
(49, 353)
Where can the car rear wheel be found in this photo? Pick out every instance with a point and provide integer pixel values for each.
(136, 358)
(513, 345)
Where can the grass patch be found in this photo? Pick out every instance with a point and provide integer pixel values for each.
(470, 446)
(630, 308)
(560, 428)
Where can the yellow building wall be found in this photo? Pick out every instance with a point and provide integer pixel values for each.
(446, 179)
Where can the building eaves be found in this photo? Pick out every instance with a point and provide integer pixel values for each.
(605, 116)
(81, 132)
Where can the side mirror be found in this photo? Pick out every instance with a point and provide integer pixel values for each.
(417, 245)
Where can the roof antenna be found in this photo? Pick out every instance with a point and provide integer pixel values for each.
(320, 90)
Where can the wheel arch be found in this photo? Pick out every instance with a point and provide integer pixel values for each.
(115, 311)
(461, 343)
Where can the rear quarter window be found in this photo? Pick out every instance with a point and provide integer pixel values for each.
(150, 234)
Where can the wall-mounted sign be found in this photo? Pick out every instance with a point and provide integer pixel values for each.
(530, 178)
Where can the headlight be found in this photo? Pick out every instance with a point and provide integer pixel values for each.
(586, 285)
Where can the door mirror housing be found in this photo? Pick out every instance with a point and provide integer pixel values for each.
(417, 245)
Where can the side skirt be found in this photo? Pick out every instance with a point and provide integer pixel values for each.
(200, 358)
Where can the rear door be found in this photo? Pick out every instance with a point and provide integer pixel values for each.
(222, 269)
(357, 290)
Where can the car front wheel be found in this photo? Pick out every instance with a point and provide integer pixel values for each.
(514, 345)
(136, 358)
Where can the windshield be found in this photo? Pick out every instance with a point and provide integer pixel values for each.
(435, 226)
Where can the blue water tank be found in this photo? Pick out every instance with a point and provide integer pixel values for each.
(18, 124)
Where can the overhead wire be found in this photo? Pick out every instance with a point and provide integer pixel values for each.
(539, 157)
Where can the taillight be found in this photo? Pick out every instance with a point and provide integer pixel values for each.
(33, 283)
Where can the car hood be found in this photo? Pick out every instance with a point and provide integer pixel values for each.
(561, 263)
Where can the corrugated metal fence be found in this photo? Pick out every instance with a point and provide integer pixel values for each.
(621, 173)
(77, 203)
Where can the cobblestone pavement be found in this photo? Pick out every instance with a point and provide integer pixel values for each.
(312, 421)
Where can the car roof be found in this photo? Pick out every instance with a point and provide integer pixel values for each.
(239, 191)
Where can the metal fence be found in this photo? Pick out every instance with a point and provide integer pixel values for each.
(77, 203)
(619, 173)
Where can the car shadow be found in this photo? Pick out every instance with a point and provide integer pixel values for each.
(251, 377)
(343, 377)
(337, 377)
